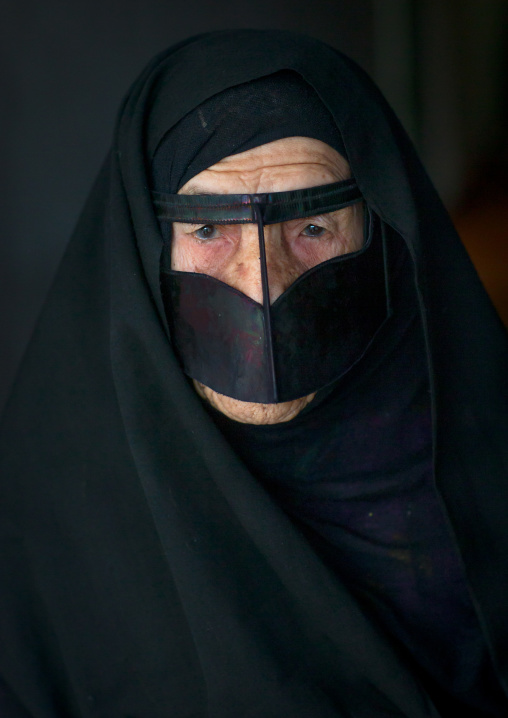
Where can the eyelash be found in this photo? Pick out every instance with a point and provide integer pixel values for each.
(205, 226)
(321, 229)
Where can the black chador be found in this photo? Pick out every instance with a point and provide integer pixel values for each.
(160, 559)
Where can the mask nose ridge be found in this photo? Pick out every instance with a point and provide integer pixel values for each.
(245, 270)
(280, 264)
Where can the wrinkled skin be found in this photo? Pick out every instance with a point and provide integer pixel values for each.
(231, 252)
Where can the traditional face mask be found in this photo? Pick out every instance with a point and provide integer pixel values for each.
(310, 336)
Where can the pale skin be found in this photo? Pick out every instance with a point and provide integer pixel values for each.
(231, 252)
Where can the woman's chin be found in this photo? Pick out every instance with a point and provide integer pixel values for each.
(247, 412)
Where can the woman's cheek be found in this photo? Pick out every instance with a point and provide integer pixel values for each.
(311, 252)
(204, 258)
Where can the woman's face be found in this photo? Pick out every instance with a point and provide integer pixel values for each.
(231, 252)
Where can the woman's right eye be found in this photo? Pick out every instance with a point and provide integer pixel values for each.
(207, 231)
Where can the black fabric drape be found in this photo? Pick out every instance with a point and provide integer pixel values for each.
(238, 119)
(144, 571)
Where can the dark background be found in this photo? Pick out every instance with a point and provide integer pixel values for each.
(65, 65)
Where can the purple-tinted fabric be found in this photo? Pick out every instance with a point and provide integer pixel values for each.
(355, 472)
(320, 327)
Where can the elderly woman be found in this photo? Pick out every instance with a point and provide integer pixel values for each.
(254, 462)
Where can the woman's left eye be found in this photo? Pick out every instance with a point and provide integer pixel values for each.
(208, 231)
(313, 230)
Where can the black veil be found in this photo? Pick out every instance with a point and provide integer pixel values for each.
(144, 569)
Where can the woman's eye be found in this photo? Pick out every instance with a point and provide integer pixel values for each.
(208, 231)
(313, 230)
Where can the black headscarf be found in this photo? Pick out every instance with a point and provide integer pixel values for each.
(146, 572)
(238, 119)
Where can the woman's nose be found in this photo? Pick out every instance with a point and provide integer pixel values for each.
(245, 269)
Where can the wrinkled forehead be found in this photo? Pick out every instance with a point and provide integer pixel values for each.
(282, 165)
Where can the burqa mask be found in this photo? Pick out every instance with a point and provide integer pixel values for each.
(325, 321)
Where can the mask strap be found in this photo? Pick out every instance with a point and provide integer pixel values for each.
(386, 268)
(240, 208)
(266, 298)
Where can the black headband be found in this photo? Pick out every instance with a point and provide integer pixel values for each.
(242, 208)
